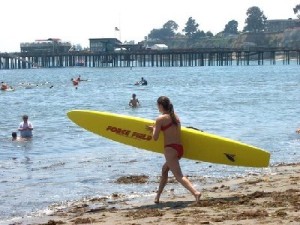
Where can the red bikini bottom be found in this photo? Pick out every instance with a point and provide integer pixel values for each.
(178, 148)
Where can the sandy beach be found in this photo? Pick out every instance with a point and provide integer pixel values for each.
(271, 197)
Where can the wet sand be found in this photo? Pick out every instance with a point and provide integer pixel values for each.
(266, 198)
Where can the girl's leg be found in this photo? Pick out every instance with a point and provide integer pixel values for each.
(163, 181)
(173, 164)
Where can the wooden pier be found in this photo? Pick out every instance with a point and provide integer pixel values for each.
(152, 58)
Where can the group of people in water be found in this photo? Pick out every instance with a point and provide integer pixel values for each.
(25, 128)
(5, 87)
(134, 102)
(75, 82)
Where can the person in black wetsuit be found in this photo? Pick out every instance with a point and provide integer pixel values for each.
(143, 81)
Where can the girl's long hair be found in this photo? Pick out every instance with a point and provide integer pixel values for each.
(168, 106)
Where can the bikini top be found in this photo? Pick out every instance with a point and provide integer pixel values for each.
(163, 128)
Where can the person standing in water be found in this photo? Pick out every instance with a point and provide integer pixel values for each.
(25, 128)
(168, 122)
(134, 102)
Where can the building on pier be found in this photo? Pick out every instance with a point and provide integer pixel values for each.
(42, 46)
(104, 44)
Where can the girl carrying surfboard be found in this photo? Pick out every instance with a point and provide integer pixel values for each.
(168, 122)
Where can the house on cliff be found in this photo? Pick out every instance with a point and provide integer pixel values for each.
(280, 25)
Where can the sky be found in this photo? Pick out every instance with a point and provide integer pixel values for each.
(77, 21)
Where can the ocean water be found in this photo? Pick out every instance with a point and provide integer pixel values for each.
(258, 105)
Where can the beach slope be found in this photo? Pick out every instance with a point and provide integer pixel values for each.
(267, 198)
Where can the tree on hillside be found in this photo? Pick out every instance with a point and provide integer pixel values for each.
(167, 32)
(209, 34)
(191, 27)
(155, 34)
(197, 35)
(256, 20)
(297, 10)
(171, 25)
(231, 27)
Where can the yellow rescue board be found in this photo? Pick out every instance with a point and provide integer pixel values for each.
(197, 145)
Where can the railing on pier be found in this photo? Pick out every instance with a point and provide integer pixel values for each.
(152, 58)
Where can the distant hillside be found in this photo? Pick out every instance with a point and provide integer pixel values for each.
(288, 38)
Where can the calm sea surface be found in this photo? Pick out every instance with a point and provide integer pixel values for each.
(258, 105)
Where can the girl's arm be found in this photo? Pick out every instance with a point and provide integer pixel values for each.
(156, 129)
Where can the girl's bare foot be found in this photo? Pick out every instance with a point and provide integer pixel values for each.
(198, 196)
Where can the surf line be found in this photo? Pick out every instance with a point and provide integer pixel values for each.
(129, 133)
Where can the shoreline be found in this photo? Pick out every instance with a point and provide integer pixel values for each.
(264, 198)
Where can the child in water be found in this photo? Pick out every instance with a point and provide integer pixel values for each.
(134, 102)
